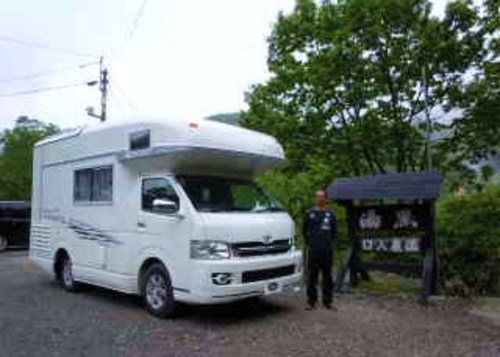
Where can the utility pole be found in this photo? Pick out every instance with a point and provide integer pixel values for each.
(103, 88)
(428, 119)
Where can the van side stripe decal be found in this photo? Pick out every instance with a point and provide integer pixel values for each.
(85, 231)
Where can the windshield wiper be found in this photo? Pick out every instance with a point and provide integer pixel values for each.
(269, 209)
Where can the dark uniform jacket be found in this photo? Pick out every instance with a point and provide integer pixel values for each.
(319, 231)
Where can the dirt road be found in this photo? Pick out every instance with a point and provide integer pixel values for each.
(38, 318)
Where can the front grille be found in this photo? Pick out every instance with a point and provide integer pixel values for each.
(251, 249)
(266, 274)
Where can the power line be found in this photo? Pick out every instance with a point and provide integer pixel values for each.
(46, 47)
(131, 31)
(44, 89)
(46, 73)
(136, 20)
(116, 89)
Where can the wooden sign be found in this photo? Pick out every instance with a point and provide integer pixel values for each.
(387, 230)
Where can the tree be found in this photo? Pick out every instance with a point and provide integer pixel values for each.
(478, 130)
(352, 82)
(17, 156)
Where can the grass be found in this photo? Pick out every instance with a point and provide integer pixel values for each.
(389, 284)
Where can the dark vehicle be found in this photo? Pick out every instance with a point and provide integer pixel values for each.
(14, 224)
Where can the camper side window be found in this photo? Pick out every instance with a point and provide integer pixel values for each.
(158, 196)
(93, 185)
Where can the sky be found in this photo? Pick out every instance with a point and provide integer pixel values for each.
(183, 59)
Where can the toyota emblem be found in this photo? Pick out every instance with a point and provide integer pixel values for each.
(267, 239)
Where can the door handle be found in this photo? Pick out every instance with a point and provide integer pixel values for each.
(141, 224)
(178, 216)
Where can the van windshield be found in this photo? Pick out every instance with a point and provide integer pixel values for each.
(215, 194)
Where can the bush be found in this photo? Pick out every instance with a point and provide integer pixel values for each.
(296, 193)
(469, 241)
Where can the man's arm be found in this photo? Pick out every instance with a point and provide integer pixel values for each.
(305, 229)
(334, 226)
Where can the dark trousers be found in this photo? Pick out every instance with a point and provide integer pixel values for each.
(316, 264)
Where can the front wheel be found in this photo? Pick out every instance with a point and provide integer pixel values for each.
(157, 292)
(66, 275)
(3, 243)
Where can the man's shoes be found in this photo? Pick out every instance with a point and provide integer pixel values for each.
(310, 307)
(330, 307)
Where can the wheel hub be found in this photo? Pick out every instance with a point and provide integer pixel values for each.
(67, 273)
(156, 291)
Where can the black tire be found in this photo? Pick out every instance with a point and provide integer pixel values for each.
(65, 274)
(3, 243)
(157, 292)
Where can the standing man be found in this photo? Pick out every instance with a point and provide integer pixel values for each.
(319, 230)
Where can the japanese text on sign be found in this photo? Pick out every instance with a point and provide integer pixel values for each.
(393, 245)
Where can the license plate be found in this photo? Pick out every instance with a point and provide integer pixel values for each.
(273, 288)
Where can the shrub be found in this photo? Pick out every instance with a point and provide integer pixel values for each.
(296, 193)
(469, 241)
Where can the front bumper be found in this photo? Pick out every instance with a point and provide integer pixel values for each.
(202, 290)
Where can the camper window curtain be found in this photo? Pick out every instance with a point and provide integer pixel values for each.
(83, 185)
(94, 185)
(102, 186)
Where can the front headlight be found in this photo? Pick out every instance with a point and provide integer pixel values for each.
(209, 250)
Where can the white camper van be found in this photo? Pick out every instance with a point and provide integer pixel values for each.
(164, 209)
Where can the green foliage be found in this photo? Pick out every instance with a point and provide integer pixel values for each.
(352, 81)
(469, 240)
(296, 193)
(17, 155)
(356, 85)
(478, 129)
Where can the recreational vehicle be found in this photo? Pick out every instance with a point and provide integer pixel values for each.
(164, 209)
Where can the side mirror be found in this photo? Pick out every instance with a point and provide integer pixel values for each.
(161, 205)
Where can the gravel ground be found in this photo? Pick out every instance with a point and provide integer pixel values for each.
(38, 318)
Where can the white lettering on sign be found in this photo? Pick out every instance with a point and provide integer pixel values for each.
(397, 246)
(382, 245)
(394, 245)
(367, 244)
(405, 219)
(412, 246)
(370, 220)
